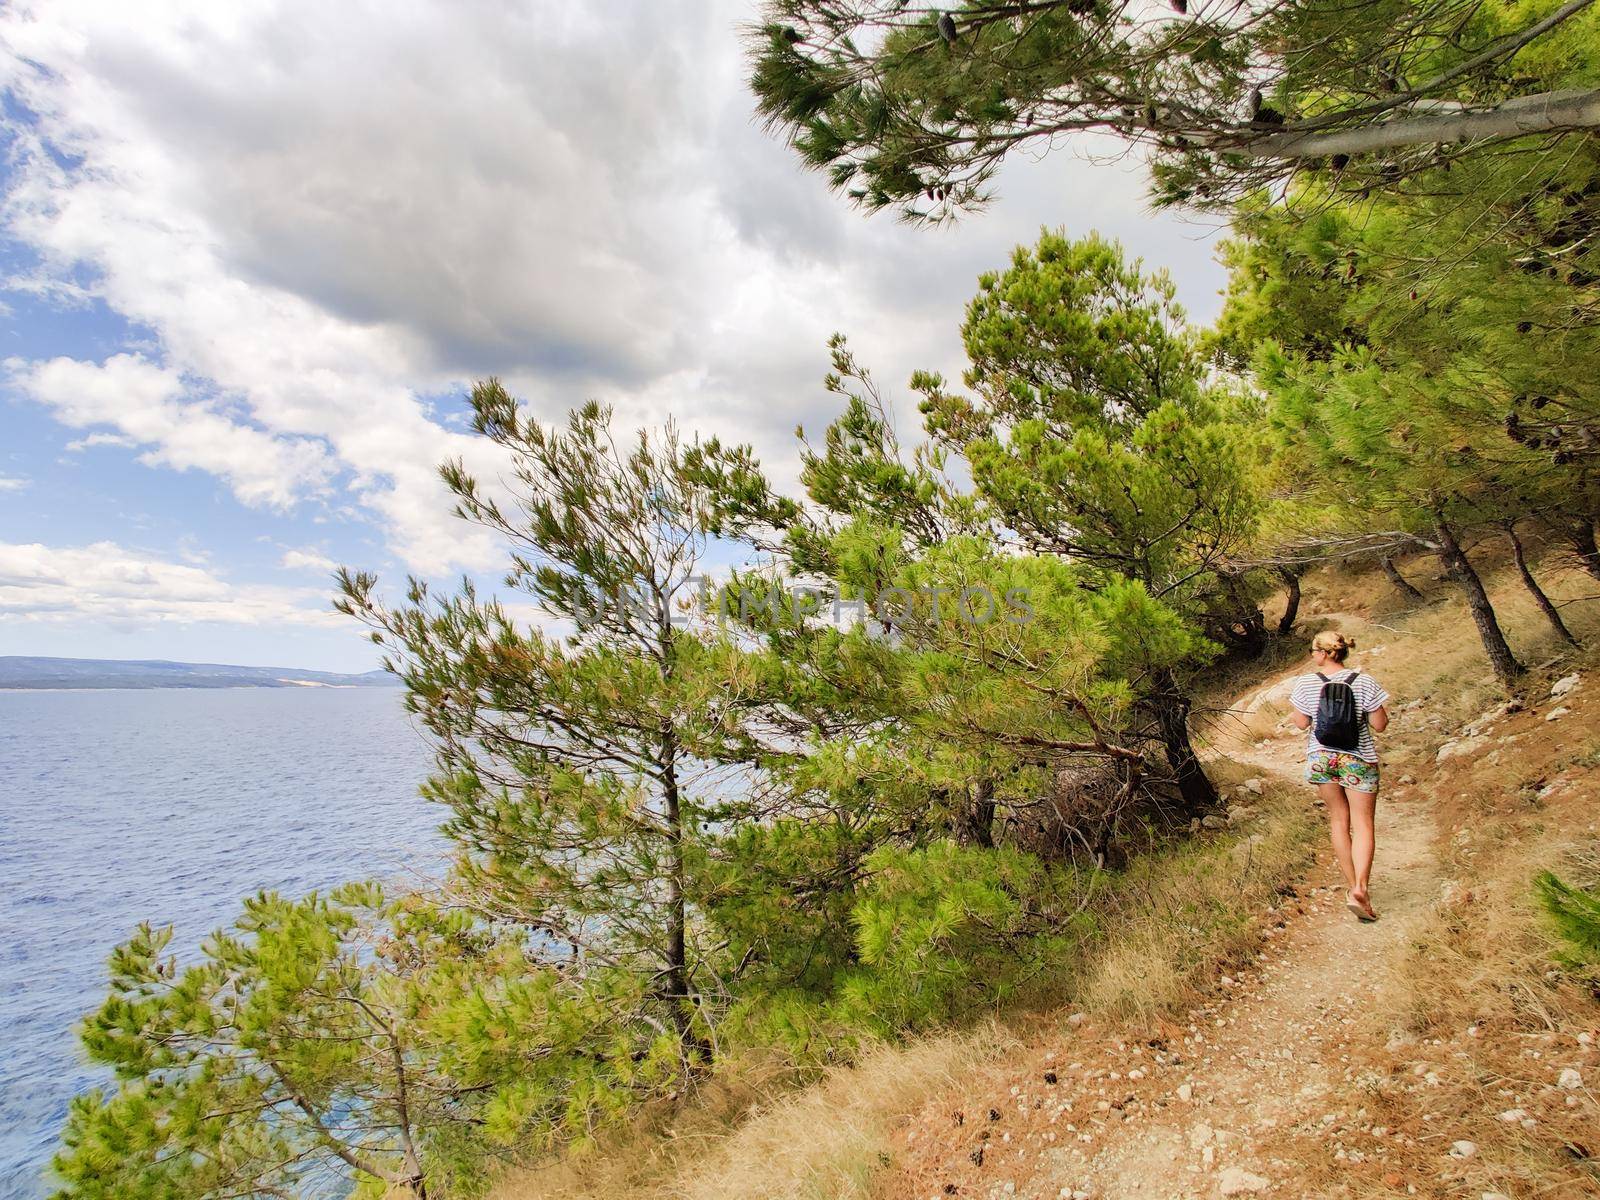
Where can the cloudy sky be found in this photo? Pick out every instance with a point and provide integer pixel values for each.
(253, 253)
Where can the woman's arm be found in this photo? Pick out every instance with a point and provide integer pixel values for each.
(1301, 721)
(1378, 718)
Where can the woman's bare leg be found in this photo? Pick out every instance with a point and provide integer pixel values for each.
(1363, 840)
(1339, 830)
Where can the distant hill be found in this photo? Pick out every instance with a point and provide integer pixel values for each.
(56, 673)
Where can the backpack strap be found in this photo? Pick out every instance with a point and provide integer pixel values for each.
(1323, 677)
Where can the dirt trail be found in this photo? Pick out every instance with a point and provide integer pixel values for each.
(1186, 1116)
(1276, 1048)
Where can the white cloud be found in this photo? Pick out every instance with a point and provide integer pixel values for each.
(307, 560)
(324, 214)
(12, 483)
(78, 445)
(107, 584)
(146, 404)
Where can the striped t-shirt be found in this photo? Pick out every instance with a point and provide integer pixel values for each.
(1370, 697)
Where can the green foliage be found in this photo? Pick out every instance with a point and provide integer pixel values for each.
(286, 1060)
(944, 926)
(860, 473)
(1094, 433)
(915, 109)
(575, 766)
(1575, 915)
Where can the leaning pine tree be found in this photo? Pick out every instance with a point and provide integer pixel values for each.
(1093, 435)
(914, 107)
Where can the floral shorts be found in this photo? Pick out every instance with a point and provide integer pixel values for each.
(1352, 773)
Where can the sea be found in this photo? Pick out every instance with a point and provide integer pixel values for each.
(168, 805)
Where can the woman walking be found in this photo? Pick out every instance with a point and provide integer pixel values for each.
(1342, 708)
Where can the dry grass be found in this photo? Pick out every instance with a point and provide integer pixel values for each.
(825, 1142)
(1177, 919)
(1169, 925)
(828, 1142)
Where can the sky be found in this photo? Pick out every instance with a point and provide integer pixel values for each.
(254, 254)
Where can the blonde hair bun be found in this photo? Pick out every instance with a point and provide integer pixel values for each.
(1334, 643)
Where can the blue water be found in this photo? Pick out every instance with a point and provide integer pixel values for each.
(120, 806)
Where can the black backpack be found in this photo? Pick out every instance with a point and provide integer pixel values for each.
(1338, 715)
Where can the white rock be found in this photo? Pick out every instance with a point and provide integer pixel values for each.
(1513, 1116)
(1564, 685)
(1586, 1038)
(1569, 1079)
(1076, 1019)
(1459, 747)
(1255, 785)
(1236, 1181)
(1463, 1149)
(1212, 821)
(1495, 1196)
(1555, 714)
(1186, 1092)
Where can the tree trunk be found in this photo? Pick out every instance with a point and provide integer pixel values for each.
(1521, 116)
(1580, 536)
(1401, 583)
(1461, 571)
(1234, 618)
(1549, 610)
(1171, 708)
(975, 820)
(677, 967)
(1291, 601)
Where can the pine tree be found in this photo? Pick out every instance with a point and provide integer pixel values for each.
(1004, 722)
(1094, 436)
(579, 765)
(1407, 398)
(287, 1061)
(916, 108)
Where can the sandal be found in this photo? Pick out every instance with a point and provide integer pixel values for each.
(1364, 911)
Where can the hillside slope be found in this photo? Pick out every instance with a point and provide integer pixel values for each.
(1434, 1053)
(1286, 1050)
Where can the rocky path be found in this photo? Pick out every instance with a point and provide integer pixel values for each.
(1192, 1113)
(1272, 1052)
